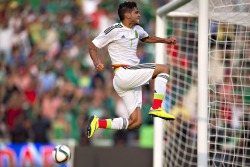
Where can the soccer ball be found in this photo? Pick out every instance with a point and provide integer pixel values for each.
(61, 154)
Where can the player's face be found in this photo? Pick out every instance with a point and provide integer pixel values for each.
(135, 16)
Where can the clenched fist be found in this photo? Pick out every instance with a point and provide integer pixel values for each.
(99, 67)
(171, 40)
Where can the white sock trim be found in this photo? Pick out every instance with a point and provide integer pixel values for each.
(163, 77)
(119, 123)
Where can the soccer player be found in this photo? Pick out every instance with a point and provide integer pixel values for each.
(122, 40)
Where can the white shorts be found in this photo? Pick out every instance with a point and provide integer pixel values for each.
(128, 81)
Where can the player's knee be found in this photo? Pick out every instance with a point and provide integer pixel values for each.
(135, 119)
(166, 69)
(161, 68)
(135, 125)
(138, 124)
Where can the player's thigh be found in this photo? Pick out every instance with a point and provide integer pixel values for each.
(132, 99)
(133, 77)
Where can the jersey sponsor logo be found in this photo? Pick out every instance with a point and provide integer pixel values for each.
(112, 27)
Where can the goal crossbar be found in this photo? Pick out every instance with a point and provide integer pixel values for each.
(170, 7)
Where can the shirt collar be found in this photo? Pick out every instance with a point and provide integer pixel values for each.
(126, 27)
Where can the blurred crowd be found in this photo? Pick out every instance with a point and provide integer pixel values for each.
(48, 86)
(229, 94)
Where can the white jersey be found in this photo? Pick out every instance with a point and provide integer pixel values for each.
(122, 43)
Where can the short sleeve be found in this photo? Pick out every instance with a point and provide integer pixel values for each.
(104, 38)
(141, 32)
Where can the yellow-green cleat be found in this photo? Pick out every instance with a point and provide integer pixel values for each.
(161, 113)
(92, 126)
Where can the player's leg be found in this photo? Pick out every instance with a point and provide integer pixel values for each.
(133, 101)
(161, 76)
(134, 122)
(115, 123)
(126, 83)
(139, 75)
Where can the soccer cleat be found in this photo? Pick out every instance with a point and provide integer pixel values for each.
(161, 113)
(92, 126)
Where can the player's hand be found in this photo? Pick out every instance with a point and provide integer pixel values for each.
(171, 40)
(99, 67)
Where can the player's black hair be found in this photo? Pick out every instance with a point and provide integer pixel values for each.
(124, 8)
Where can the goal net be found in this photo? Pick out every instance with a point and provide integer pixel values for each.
(228, 85)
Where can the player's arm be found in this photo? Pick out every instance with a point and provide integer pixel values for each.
(93, 54)
(103, 39)
(154, 39)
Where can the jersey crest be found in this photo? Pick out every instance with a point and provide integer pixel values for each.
(112, 27)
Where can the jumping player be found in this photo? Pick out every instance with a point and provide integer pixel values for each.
(122, 40)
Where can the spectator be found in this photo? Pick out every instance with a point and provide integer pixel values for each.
(47, 80)
(40, 128)
(19, 133)
(6, 33)
(60, 127)
(14, 109)
(51, 103)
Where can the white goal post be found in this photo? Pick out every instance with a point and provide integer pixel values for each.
(202, 77)
(160, 58)
(218, 33)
